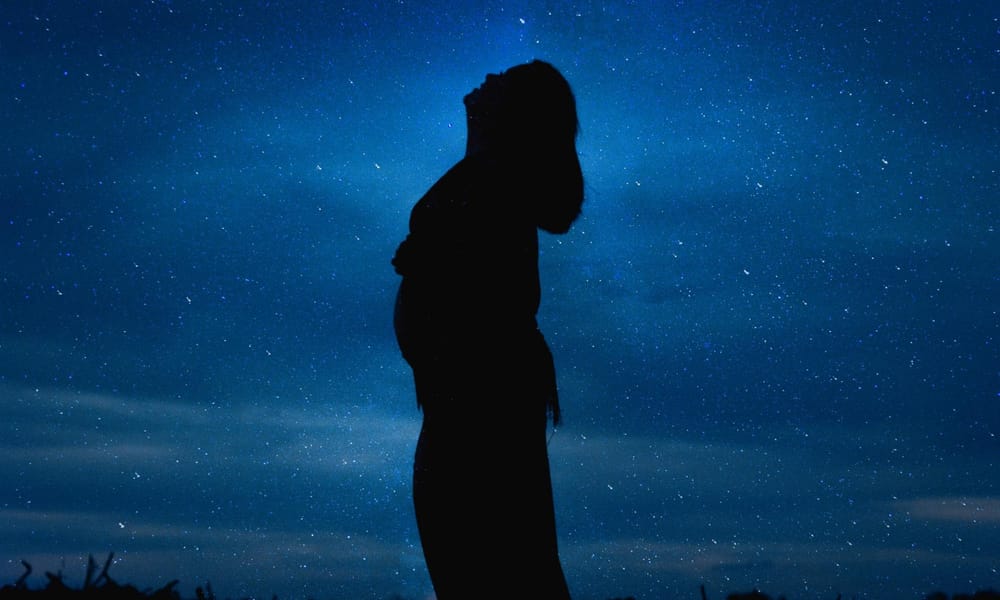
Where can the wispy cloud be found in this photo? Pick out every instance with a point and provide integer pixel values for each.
(148, 550)
(971, 510)
(216, 493)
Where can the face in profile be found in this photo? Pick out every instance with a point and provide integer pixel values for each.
(530, 100)
(487, 98)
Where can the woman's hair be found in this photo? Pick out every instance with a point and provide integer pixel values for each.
(537, 128)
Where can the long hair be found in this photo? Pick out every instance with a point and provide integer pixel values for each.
(537, 128)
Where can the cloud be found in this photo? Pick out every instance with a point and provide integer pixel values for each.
(237, 561)
(244, 495)
(79, 427)
(801, 504)
(971, 510)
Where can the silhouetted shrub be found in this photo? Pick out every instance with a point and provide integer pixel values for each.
(102, 587)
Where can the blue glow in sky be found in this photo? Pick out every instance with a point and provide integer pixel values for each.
(775, 326)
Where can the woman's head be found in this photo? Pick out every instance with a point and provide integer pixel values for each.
(525, 104)
(525, 117)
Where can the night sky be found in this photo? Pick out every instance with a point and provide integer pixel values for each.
(776, 324)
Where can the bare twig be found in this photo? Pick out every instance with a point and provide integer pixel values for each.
(21, 583)
(104, 572)
(88, 579)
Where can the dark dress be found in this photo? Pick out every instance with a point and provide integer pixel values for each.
(465, 322)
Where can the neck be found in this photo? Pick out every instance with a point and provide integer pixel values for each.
(474, 143)
(472, 148)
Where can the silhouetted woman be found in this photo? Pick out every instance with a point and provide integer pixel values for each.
(465, 322)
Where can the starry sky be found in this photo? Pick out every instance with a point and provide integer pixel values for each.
(775, 325)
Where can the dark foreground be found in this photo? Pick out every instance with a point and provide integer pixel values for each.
(103, 587)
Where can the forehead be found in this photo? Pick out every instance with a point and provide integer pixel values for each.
(516, 71)
(517, 75)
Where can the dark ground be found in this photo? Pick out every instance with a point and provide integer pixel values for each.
(103, 587)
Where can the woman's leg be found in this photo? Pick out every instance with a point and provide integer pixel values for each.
(483, 499)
